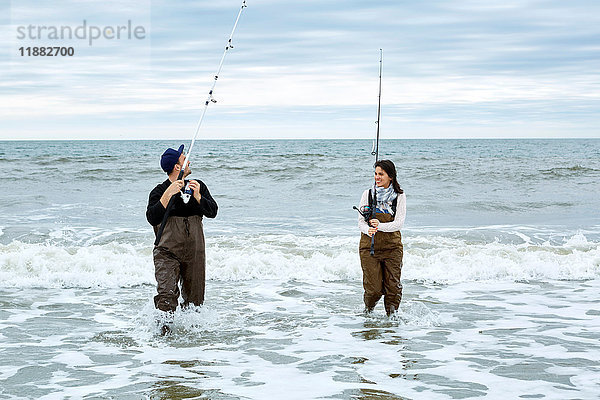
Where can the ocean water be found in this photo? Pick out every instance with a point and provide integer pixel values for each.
(501, 273)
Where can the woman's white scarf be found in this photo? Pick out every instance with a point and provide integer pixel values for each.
(385, 198)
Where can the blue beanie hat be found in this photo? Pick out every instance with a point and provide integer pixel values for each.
(170, 158)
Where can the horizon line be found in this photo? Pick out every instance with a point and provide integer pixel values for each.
(240, 139)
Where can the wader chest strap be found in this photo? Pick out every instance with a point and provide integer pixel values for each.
(394, 203)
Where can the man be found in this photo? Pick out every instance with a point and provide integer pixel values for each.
(179, 257)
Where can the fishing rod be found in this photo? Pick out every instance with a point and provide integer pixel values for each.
(375, 150)
(368, 212)
(186, 193)
(374, 208)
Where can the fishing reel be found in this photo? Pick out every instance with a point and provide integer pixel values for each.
(365, 211)
(186, 193)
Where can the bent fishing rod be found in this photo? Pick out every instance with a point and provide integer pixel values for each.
(368, 212)
(186, 193)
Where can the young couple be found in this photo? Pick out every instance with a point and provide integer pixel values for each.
(179, 256)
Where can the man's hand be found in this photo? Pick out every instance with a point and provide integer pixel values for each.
(372, 231)
(195, 186)
(173, 188)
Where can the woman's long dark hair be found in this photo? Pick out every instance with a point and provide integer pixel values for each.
(390, 169)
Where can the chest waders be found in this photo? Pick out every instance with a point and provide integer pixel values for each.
(184, 261)
(180, 258)
(382, 270)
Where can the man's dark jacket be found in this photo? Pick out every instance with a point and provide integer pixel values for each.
(155, 211)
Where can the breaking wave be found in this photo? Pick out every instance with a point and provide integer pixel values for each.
(428, 258)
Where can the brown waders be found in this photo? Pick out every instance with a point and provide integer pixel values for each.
(180, 258)
(381, 271)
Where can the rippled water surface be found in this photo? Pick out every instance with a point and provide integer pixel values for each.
(501, 273)
(261, 339)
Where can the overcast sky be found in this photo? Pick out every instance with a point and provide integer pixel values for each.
(305, 69)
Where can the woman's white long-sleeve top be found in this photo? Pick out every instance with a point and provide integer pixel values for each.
(393, 226)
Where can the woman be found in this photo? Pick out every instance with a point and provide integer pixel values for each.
(381, 271)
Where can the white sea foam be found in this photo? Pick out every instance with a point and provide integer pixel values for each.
(418, 314)
(40, 265)
(449, 260)
(427, 258)
(72, 359)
